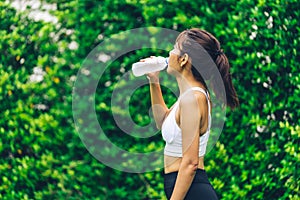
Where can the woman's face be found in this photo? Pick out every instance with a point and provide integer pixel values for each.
(174, 65)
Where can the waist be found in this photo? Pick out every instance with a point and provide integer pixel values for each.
(172, 164)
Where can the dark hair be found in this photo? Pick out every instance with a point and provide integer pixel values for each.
(206, 43)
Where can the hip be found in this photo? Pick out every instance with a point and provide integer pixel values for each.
(200, 187)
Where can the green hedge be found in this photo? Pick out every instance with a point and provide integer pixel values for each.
(42, 156)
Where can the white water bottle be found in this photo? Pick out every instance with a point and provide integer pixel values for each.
(152, 64)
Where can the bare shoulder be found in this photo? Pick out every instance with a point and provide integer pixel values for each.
(193, 98)
(194, 103)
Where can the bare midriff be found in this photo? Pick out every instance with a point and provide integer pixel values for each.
(172, 164)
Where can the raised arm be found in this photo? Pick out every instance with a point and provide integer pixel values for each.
(159, 107)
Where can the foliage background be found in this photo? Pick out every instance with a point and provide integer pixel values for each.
(42, 157)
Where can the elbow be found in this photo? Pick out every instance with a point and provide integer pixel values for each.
(193, 167)
(158, 126)
(191, 164)
(159, 120)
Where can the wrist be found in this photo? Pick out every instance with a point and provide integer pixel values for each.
(153, 79)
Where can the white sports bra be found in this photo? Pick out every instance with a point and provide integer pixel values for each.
(171, 132)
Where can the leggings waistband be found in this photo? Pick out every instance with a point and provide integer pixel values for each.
(200, 177)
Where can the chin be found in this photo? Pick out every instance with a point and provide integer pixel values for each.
(170, 70)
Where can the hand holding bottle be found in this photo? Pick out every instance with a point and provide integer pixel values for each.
(149, 66)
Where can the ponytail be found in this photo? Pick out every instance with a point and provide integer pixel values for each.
(193, 41)
(223, 67)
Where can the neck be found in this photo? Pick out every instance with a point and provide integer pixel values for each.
(186, 81)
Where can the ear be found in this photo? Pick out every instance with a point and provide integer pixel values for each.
(184, 59)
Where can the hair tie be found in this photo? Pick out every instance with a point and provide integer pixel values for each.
(219, 52)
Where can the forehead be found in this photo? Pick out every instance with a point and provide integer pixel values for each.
(179, 40)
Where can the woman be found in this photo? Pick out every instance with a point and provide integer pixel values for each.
(186, 125)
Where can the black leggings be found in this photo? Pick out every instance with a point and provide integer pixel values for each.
(200, 187)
